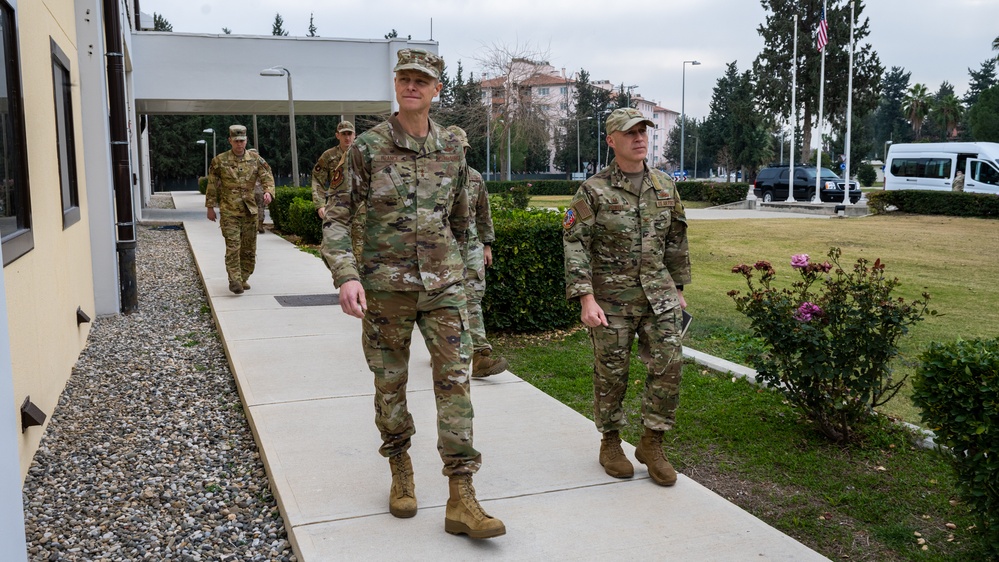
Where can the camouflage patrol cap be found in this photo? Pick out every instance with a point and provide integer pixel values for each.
(460, 133)
(418, 59)
(625, 118)
(345, 126)
(237, 132)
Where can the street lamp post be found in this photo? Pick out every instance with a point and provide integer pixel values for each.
(215, 150)
(202, 141)
(282, 71)
(683, 114)
(579, 165)
(696, 143)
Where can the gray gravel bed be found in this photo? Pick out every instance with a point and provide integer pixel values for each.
(148, 455)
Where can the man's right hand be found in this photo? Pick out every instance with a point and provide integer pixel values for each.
(352, 300)
(592, 315)
(322, 213)
(211, 214)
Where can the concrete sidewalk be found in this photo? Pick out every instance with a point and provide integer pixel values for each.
(307, 393)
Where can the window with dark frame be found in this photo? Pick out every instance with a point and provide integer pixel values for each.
(66, 140)
(15, 203)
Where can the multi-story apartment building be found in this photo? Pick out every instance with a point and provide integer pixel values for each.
(552, 94)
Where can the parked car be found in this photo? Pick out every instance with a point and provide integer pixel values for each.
(771, 185)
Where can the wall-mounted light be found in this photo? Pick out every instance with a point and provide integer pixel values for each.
(30, 415)
(81, 316)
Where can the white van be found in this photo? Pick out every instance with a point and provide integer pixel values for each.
(933, 165)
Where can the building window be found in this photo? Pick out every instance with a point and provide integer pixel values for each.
(15, 205)
(542, 91)
(563, 90)
(65, 138)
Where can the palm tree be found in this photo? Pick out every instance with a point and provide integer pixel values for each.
(946, 113)
(916, 106)
(995, 44)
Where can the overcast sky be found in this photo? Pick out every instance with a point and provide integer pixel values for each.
(643, 45)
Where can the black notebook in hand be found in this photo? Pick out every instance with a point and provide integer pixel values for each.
(685, 323)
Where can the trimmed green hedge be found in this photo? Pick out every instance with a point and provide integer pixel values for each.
(279, 207)
(716, 193)
(925, 202)
(538, 187)
(203, 184)
(957, 388)
(304, 221)
(525, 287)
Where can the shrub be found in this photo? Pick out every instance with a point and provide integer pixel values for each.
(203, 184)
(525, 287)
(515, 196)
(957, 388)
(867, 175)
(715, 193)
(926, 202)
(538, 187)
(303, 220)
(283, 197)
(829, 351)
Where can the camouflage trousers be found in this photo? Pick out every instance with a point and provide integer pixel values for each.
(475, 289)
(240, 233)
(659, 348)
(387, 335)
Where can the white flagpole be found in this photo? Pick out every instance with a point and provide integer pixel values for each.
(849, 115)
(822, 85)
(794, 112)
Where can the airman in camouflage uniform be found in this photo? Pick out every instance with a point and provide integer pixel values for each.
(232, 177)
(409, 174)
(477, 259)
(328, 174)
(626, 260)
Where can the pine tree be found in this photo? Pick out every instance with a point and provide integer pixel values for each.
(278, 27)
(160, 23)
(312, 26)
(772, 67)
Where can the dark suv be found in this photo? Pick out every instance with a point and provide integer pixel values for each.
(771, 185)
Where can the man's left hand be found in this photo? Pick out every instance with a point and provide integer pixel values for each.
(267, 198)
(487, 255)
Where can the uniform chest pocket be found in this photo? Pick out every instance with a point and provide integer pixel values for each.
(618, 218)
(387, 189)
(662, 222)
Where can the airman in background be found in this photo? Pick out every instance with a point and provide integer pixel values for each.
(479, 256)
(232, 178)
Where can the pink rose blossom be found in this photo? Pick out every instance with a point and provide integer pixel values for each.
(807, 311)
(799, 260)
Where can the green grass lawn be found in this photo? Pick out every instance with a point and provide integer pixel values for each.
(873, 500)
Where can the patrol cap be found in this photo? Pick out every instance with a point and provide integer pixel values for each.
(460, 133)
(418, 59)
(237, 132)
(345, 126)
(624, 118)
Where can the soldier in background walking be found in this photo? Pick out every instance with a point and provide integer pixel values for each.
(328, 174)
(232, 178)
(626, 261)
(478, 257)
(410, 174)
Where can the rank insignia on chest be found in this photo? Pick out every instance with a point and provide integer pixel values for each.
(569, 220)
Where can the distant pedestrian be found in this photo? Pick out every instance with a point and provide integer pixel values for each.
(478, 257)
(626, 261)
(958, 184)
(232, 178)
(328, 174)
(410, 174)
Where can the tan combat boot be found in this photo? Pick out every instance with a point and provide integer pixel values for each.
(402, 496)
(236, 287)
(246, 286)
(650, 453)
(464, 515)
(484, 364)
(612, 457)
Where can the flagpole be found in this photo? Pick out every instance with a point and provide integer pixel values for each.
(849, 114)
(822, 84)
(794, 113)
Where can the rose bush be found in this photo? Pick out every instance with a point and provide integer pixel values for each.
(829, 337)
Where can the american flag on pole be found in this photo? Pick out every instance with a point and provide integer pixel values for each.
(823, 32)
